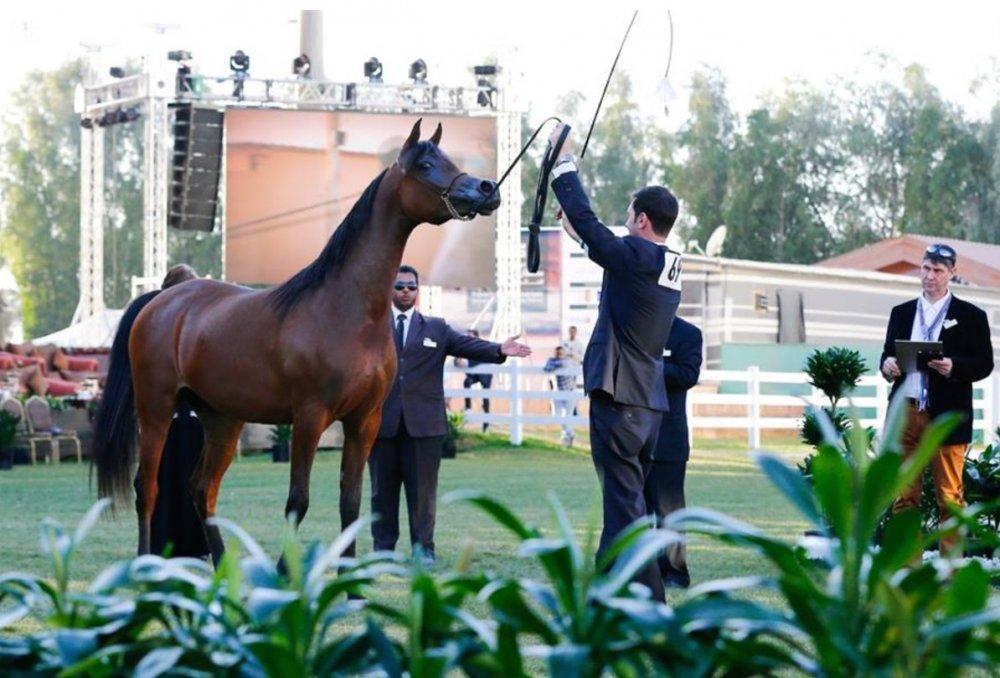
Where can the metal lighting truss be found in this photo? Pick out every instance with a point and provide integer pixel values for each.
(153, 95)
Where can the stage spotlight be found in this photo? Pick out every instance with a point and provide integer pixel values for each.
(179, 55)
(373, 70)
(132, 114)
(117, 72)
(109, 118)
(301, 66)
(418, 72)
(86, 123)
(239, 62)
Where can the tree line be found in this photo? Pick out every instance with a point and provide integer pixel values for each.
(808, 173)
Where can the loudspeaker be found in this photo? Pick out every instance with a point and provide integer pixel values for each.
(197, 162)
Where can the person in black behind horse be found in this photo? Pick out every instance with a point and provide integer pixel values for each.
(664, 489)
(176, 524)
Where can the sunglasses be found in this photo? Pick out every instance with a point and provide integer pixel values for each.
(940, 250)
(405, 286)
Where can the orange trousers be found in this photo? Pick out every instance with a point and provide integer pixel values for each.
(946, 470)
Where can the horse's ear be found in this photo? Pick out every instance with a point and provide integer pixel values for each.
(414, 137)
(436, 137)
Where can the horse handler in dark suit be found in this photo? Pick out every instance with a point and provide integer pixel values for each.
(664, 488)
(407, 451)
(946, 386)
(623, 363)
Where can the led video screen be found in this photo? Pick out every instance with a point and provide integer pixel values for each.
(291, 177)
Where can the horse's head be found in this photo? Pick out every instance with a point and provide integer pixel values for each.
(434, 190)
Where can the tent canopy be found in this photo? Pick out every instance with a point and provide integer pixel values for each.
(95, 332)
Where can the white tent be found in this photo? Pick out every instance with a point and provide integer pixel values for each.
(94, 332)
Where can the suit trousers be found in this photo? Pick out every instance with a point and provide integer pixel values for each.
(622, 440)
(665, 494)
(946, 470)
(412, 463)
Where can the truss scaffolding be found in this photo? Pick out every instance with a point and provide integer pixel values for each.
(152, 95)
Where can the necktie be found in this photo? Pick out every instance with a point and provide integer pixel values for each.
(399, 331)
(928, 335)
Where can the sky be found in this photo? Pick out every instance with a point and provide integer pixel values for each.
(551, 48)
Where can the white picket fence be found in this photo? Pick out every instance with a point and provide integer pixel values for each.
(516, 383)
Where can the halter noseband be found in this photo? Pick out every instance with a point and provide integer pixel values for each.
(443, 193)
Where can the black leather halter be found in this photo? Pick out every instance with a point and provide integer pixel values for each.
(445, 195)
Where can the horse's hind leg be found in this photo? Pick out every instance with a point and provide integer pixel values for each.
(222, 434)
(155, 411)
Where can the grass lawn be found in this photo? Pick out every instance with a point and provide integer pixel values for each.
(254, 490)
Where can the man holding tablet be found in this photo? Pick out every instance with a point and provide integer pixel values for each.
(945, 384)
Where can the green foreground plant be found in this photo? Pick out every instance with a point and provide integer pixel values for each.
(847, 607)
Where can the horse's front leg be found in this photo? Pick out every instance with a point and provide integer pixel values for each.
(308, 425)
(360, 432)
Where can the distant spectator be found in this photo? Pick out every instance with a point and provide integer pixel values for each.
(573, 347)
(484, 381)
(564, 382)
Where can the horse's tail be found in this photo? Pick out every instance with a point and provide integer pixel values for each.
(113, 449)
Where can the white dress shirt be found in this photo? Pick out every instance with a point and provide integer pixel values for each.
(911, 387)
(406, 323)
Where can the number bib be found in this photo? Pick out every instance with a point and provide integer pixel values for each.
(671, 276)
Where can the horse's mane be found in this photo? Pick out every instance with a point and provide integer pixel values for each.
(338, 247)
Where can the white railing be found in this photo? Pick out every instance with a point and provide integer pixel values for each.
(516, 383)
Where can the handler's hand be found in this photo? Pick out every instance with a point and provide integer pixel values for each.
(567, 147)
(568, 227)
(942, 366)
(890, 368)
(512, 348)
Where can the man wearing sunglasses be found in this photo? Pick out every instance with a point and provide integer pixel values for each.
(946, 384)
(407, 451)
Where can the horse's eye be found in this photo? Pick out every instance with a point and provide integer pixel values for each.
(425, 165)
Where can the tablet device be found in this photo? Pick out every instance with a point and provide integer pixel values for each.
(913, 355)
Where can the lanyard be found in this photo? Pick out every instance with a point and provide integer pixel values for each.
(928, 332)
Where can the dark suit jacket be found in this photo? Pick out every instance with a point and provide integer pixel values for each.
(680, 373)
(417, 394)
(639, 299)
(967, 343)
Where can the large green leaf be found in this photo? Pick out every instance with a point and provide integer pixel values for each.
(791, 484)
(901, 543)
(969, 590)
(833, 479)
(622, 542)
(332, 555)
(649, 545)
(878, 490)
(495, 510)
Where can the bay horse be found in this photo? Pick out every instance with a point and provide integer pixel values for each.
(313, 350)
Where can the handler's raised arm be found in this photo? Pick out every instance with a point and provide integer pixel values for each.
(603, 247)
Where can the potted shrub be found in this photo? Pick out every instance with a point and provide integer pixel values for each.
(281, 442)
(836, 372)
(449, 448)
(8, 432)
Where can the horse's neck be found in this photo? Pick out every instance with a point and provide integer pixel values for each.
(374, 260)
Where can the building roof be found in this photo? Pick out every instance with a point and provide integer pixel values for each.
(978, 263)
